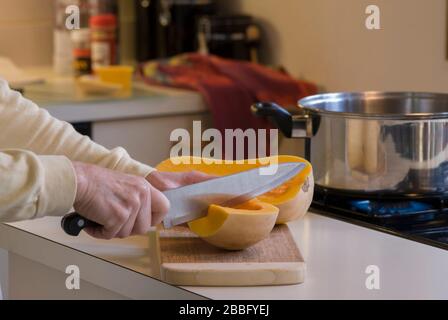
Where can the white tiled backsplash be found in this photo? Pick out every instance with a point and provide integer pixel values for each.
(26, 31)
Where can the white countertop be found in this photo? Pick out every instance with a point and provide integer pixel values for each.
(337, 254)
(59, 96)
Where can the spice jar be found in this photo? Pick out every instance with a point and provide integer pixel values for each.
(81, 51)
(103, 40)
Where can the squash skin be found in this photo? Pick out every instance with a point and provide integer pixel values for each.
(293, 205)
(241, 228)
(298, 206)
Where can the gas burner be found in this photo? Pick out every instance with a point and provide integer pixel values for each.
(386, 209)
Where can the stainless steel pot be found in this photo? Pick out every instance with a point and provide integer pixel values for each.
(372, 143)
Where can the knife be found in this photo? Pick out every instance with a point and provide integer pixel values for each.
(191, 202)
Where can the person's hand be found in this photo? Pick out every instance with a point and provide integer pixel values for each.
(122, 204)
(171, 180)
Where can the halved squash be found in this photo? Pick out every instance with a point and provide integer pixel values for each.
(236, 228)
(293, 198)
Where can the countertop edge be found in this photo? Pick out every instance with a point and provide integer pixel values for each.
(156, 106)
(58, 256)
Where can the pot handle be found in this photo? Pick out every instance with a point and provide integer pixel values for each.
(297, 126)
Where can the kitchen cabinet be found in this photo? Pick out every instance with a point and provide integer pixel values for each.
(146, 140)
(38, 270)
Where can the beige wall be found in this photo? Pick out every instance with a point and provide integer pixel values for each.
(326, 41)
(321, 40)
(26, 31)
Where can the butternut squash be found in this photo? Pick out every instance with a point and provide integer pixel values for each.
(236, 228)
(293, 198)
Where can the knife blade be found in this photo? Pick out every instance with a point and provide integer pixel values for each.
(191, 202)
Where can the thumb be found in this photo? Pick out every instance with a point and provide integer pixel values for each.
(192, 177)
(160, 205)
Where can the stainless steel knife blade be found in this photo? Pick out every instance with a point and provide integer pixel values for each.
(191, 202)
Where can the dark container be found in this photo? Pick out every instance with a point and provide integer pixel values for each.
(165, 28)
(234, 36)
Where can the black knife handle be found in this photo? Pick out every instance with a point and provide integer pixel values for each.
(73, 223)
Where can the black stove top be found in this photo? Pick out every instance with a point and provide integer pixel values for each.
(422, 220)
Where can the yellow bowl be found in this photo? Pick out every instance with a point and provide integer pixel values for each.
(121, 75)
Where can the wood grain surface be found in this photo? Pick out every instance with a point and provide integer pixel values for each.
(187, 260)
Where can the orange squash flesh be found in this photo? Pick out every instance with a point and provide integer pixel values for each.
(301, 186)
(236, 228)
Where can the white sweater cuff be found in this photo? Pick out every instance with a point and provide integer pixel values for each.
(58, 191)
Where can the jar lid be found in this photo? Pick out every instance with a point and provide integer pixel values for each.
(103, 20)
(81, 52)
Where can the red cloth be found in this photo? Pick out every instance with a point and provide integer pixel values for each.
(229, 87)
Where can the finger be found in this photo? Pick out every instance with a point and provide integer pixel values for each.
(160, 206)
(126, 229)
(113, 225)
(95, 232)
(107, 230)
(196, 177)
(164, 180)
(143, 218)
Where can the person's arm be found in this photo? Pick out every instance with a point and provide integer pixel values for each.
(23, 125)
(32, 186)
(54, 174)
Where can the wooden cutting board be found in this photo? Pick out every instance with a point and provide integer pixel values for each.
(181, 258)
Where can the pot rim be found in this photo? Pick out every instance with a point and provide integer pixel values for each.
(308, 104)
